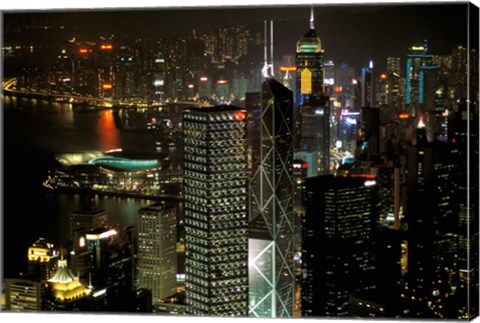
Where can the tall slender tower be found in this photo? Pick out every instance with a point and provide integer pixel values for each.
(309, 61)
(215, 189)
(271, 267)
(312, 130)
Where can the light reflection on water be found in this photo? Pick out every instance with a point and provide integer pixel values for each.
(57, 128)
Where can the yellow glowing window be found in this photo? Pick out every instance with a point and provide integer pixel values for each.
(306, 81)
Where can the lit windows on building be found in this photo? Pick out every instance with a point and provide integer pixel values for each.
(340, 215)
(215, 190)
(156, 257)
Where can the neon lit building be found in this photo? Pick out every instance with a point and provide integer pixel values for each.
(271, 237)
(418, 61)
(338, 257)
(309, 61)
(156, 256)
(313, 114)
(215, 191)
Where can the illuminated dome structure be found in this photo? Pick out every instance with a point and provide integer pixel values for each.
(125, 164)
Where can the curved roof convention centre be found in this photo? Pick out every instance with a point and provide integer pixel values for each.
(125, 163)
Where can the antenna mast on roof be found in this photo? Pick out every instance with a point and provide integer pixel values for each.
(268, 70)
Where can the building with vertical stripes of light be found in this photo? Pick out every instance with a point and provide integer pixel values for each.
(215, 191)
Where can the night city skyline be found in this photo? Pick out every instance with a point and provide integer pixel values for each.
(271, 161)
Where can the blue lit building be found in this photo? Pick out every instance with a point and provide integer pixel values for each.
(419, 62)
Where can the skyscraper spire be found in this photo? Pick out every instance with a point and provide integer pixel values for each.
(312, 19)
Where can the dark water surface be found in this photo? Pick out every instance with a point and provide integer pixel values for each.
(33, 131)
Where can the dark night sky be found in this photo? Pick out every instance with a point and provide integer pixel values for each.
(349, 33)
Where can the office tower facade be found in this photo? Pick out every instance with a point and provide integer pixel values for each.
(81, 221)
(87, 219)
(253, 105)
(312, 117)
(368, 97)
(159, 75)
(370, 130)
(393, 65)
(340, 217)
(215, 190)
(432, 226)
(156, 256)
(418, 61)
(463, 140)
(271, 237)
(24, 295)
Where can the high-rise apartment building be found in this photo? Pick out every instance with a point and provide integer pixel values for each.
(271, 237)
(338, 254)
(215, 191)
(156, 256)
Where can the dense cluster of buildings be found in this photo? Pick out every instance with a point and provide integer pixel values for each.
(325, 194)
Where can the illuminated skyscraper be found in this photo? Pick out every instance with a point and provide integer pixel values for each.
(463, 139)
(42, 259)
(418, 62)
(312, 131)
(368, 87)
(432, 224)
(215, 190)
(271, 268)
(393, 65)
(156, 257)
(309, 61)
(338, 257)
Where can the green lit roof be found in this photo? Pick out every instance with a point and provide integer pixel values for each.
(309, 43)
(63, 274)
(125, 163)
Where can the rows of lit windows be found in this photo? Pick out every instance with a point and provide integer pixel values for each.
(221, 218)
(194, 257)
(221, 177)
(215, 183)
